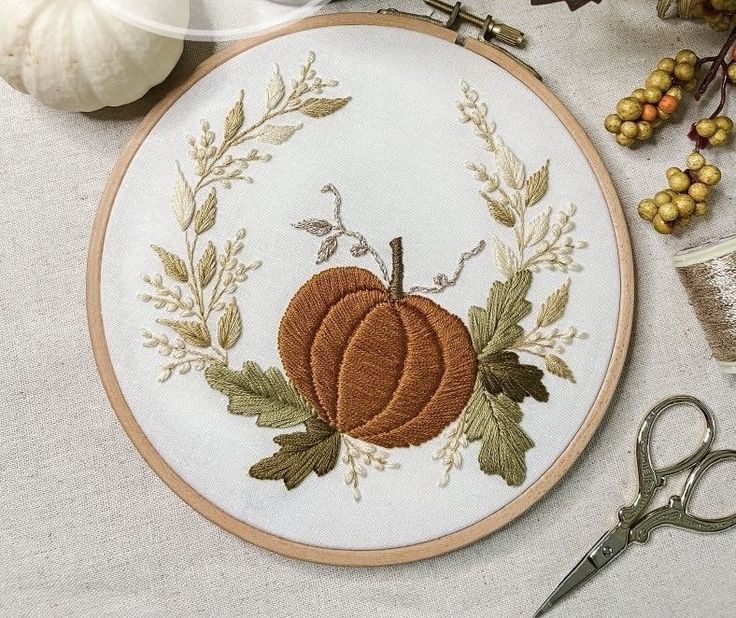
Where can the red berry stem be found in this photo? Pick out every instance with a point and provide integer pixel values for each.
(724, 86)
(716, 66)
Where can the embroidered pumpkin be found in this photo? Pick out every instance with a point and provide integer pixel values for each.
(378, 365)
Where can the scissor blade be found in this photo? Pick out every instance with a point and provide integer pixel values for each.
(583, 571)
(602, 553)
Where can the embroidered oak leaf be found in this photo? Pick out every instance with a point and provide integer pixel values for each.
(496, 327)
(316, 227)
(315, 450)
(265, 394)
(278, 134)
(230, 326)
(207, 266)
(235, 119)
(496, 421)
(194, 333)
(173, 265)
(558, 367)
(536, 185)
(182, 201)
(503, 373)
(276, 90)
(204, 218)
(500, 212)
(319, 108)
(554, 307)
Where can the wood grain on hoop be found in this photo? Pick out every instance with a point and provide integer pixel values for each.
(390, 555)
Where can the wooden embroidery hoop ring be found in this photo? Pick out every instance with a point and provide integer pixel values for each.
(373, 557)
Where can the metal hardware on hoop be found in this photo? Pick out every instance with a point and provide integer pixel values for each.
(489, 30)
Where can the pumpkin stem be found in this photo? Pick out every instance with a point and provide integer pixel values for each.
(396, 288)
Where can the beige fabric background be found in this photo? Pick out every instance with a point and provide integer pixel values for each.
(87, 529)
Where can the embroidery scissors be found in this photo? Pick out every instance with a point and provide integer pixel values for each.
(635, 524)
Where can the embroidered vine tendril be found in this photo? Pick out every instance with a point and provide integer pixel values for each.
(336, 229)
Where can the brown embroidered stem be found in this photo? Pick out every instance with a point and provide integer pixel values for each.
(716, 66)
(396, 288)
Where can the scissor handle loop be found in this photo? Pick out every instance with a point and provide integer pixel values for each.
(676, 513)
(650, 477)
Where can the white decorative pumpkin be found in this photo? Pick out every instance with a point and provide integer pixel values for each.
(74, 55)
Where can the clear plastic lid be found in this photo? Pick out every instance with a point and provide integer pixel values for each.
(209, 20)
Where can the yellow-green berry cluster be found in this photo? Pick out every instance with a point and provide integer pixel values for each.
(637, 116)
(686, 196)
(716, 130)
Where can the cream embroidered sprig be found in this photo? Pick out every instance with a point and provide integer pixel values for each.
(204, 280)
(357, 457)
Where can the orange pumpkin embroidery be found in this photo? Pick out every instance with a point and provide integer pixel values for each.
(375, 363)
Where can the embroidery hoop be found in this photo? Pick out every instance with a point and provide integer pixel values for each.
(367, 557)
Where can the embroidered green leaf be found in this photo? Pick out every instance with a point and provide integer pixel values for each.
(496, 421)
(235, 119)
(537, 184)
(505, 258)
(327, 249)
(204, 218)
(315, 450)
(276, 90)
(500, 212)
(207, 266)
(173, 265)
(317, 227)
(496, 327)
(510, 166)
(230, 326)
(194, 333)
(558, 367)
(318, 108)
(278, 134)
(503, 373)
(254, 392)
(554, 307)
(182, 201)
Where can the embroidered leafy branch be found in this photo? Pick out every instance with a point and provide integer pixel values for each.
(336, 229)
(210, 277)
(209, 280)
(357, 456)
(493, 414)
(542, 241)
(314, 450)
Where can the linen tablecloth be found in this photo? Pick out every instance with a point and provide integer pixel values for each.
(86, 528)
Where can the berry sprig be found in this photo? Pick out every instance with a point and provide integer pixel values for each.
(689, 188)
(637, 116)
(686, 196)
